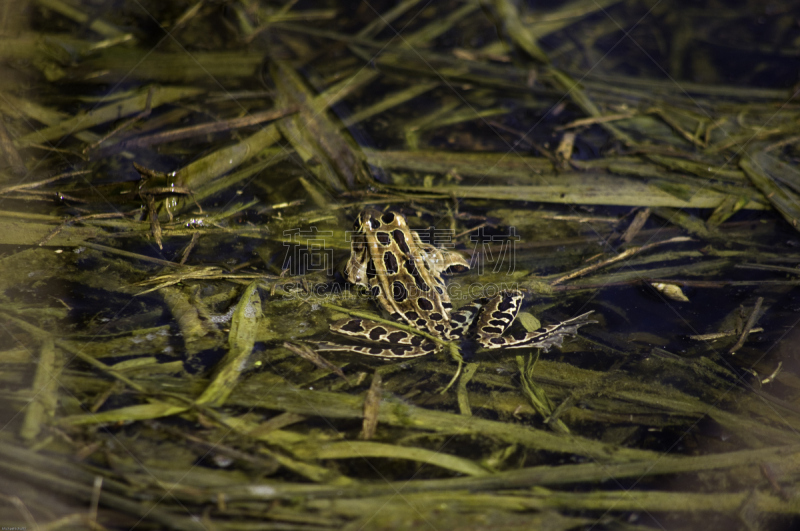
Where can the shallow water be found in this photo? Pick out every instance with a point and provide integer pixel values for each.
(146, 309)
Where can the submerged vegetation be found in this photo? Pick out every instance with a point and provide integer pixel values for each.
(177, 183)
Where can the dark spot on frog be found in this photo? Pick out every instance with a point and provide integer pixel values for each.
(424, 304)
(376, 333)
(390, 262)
(399, 291)
(353, 325)
(400, 239)
(396, 337)
(507, 303)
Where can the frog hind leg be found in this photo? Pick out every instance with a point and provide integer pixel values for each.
(496, 316)
(389, 341)
(544, 338)
(461, 320)
(389, 352)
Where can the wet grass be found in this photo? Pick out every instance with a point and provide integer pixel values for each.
(176, 191)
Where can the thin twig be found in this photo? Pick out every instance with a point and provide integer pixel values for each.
(747, 327)
(35, 184)
(622, 256)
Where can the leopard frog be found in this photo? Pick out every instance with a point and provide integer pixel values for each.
(404, 275)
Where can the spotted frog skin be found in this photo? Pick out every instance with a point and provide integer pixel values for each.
(404, 275)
